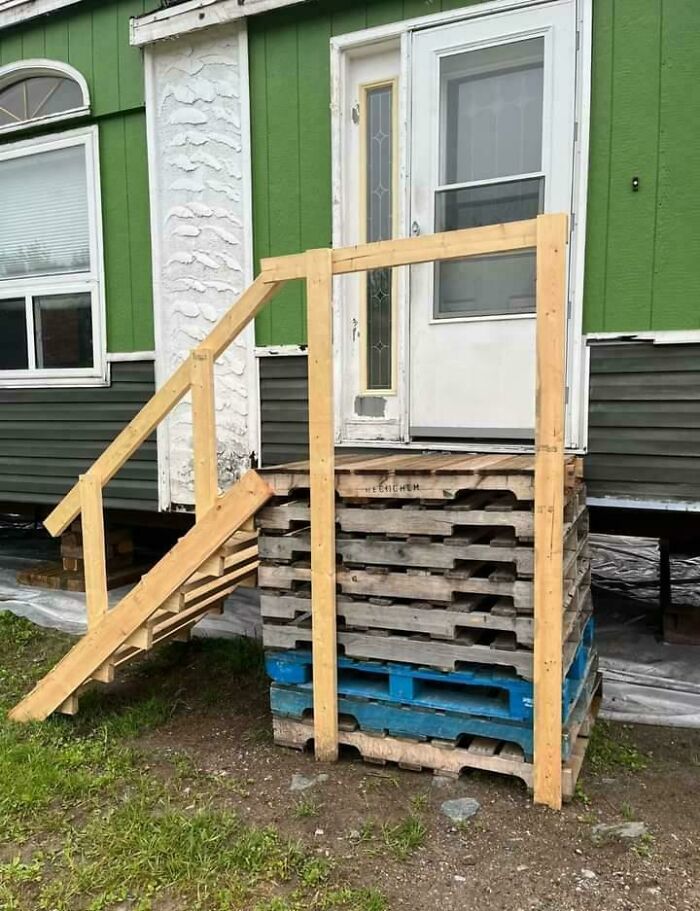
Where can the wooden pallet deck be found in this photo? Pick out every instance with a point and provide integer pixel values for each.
(420, 476)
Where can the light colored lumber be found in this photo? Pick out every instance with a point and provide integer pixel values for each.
(203, 430)
(95, 648)
(319, 280)
(171, 392)
(95, 564)
(549, 507)
(517, 235)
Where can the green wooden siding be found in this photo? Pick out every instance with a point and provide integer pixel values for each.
(93, 37)
(642, 248)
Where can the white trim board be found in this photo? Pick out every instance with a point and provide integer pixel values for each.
(14, 11)
(196, 15)
(656, 337)
(119, 357)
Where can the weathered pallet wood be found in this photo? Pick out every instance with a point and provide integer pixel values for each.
(443, 758)
(407, 520)
(436, 622)
(469, 647)
(438, 477)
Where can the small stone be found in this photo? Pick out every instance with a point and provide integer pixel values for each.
(619, 830)
(588, 874)
(354, 834)
(521, 868)
(460, 879)
(301, 782)
(460, 809)
(318, 832)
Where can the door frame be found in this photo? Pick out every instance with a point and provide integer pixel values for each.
(341, 47)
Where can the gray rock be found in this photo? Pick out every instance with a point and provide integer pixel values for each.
(588, 874)
(303, 782)
(460, 809)
(606, 831)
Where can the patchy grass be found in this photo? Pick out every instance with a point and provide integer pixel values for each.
(405, 837)
(610, 751)
(86, 823)
(307, 808)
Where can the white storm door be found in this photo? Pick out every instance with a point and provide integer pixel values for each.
(492, 127)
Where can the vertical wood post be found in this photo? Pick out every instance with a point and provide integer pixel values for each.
(94, 561)
(203, 430)
(549, 507)
(319, 280)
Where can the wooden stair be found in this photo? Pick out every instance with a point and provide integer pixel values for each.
(192, 580)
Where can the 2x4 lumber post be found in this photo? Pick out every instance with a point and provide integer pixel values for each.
(203, 430)
(94, 560)
(171, 392)
(549, 507)
(319, 282)
(100, 643)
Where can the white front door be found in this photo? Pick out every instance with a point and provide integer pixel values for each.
(492, 134)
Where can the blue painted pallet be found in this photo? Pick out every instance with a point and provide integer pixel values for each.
(374, 716)
(490, 692)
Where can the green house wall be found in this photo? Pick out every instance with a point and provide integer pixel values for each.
(93, 37)
(643, 248)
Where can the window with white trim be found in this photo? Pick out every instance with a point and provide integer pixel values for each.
(40, 92)
(51, 287)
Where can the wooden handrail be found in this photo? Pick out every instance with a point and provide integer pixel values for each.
(407, 251)
(173, 390)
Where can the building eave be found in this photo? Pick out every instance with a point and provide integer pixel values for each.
(195, 15)
(13, 12)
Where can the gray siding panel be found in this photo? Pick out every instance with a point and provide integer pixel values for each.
(644, 422)
(50, 436)
(284, 409)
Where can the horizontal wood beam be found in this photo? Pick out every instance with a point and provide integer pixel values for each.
(517, 235)
(166, 398)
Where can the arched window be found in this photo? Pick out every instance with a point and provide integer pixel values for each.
(33, 92)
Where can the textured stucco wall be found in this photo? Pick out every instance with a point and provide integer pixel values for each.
(196, 110)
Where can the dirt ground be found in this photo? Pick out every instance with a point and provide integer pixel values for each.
(510, 856)
(382, 828)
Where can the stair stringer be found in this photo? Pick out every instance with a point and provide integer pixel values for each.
(229, 513)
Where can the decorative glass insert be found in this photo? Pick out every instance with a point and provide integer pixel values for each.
(379, 205)
(63, 330)
(35, 97)
(490, 172)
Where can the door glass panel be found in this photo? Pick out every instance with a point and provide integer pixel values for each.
(13, 338)
(492, 103)
(63, 330)
(379, 205)
(482, 286)
(491, 116)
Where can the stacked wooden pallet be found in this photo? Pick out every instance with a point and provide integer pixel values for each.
(435, 559)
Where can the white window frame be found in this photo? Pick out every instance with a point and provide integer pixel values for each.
(91, 281)
(26, 69)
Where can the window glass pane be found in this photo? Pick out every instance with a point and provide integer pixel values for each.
(13, 337)
(38, 96)
(63, 330)
(44, 214)
(492, 112)
(487, 285)
(379, 158)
